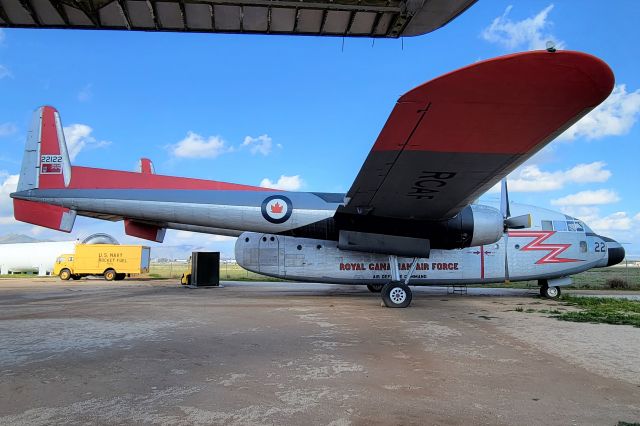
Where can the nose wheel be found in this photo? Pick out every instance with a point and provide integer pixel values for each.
(550, 292)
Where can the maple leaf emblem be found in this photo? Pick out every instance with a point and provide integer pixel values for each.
(276, 208)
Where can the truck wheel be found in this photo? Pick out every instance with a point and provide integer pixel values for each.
(120, 277)
(65, 274)
(75, 277)
(109, 275)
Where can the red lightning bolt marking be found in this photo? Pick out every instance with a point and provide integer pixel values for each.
(540, 236)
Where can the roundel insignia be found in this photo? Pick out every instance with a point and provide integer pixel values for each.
(277, 209)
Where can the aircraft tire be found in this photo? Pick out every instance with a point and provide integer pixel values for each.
(110, 275)
(396, 295)
(550, 292)
(65, 274)
(375, 288)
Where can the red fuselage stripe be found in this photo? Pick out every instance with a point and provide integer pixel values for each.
(90, 178)
(482, 262)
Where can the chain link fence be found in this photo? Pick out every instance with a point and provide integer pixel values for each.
(229, 270)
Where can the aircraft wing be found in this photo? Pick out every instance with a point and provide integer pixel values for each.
(342, 18)
(449, 140)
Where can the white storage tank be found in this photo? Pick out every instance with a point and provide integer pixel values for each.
(32, 257)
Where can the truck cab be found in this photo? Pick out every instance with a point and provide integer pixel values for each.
(64, 267)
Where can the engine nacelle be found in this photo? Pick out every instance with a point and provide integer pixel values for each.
(488, 225)
(475, 225)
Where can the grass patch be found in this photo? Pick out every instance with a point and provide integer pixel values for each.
(228, 271)
(620, 277)
(602, 310)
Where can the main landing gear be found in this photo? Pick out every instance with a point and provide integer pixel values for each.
(397, 294)
(375, 288)
(548, 292)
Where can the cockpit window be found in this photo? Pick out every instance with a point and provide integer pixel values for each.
(560, 225)
(565, 225)
(584, 227)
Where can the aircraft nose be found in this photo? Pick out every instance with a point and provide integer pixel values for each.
(614, 250)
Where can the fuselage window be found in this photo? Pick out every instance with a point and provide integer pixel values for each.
(571, 225)
(579, 226)
(583, 246)
(546, 225)
(560, 225)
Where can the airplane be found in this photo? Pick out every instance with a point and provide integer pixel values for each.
(408, 219)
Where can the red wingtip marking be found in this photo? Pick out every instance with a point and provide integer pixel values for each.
(505, 105)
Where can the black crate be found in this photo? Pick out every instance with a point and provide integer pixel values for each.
(205, 269)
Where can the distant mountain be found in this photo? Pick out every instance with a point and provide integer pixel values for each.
(17, 238)
(182, 252)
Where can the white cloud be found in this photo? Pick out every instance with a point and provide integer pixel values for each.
(78, 137)
(262, 144)
(8, 220)
(531, 32)
(85, 93)
(200, 238)
(587, 198)
(614, 117)
(531, 179)
(9, 185)
(195, 146)
(7, 129)
(618, 221)
(285, 183)
(4, 72)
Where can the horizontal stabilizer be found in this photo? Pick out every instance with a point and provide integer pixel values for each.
(53, 217)
(144, 230)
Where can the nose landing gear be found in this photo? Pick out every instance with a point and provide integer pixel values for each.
(549, 292)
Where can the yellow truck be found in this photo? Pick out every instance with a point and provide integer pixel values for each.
(112, 261)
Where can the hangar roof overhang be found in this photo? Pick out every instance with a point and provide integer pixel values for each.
(353, 18)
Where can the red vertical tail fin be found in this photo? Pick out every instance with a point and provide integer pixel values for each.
(45, 165)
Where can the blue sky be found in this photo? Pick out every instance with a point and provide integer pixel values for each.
(303, 112)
